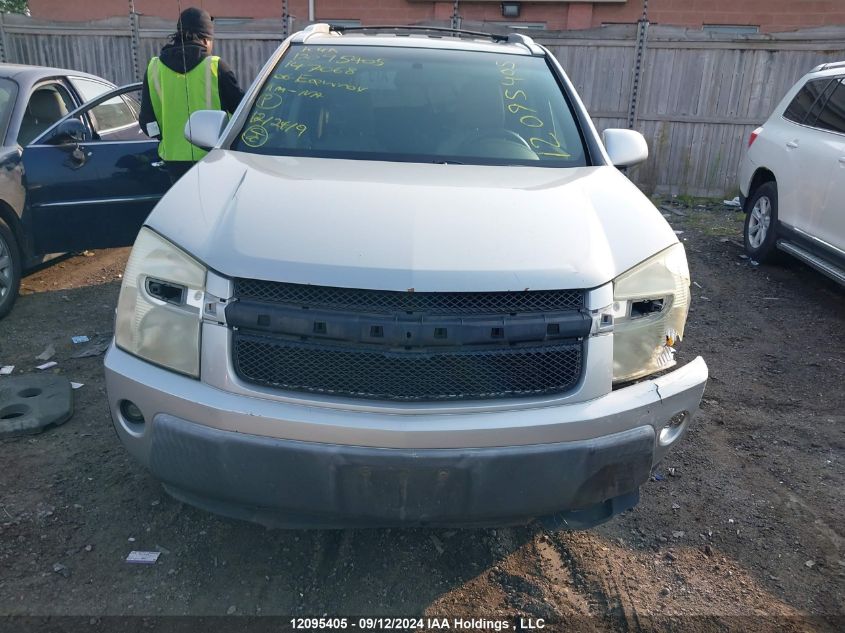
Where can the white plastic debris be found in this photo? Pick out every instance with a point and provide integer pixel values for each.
(76, 385)
(6, 370)
(142, 558)
(47, 354)
(79, 339)
(732, 203)
(52, 363)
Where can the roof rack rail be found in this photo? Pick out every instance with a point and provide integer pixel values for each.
(828, 66)
(413, 28)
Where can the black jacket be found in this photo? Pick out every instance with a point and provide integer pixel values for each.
(182, 58)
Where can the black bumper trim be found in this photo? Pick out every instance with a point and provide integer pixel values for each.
(284, 483)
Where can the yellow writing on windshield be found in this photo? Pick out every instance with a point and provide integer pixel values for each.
(516, 100)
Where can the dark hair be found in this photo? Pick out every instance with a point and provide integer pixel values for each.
(187, 38)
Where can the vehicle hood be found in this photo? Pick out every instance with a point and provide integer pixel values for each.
(402, 226)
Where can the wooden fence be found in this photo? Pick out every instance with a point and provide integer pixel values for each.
(699, 94)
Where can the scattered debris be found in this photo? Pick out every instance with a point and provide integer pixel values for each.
(142, 558)
(88, 253)
(678, 534)
(52, 363)
(79, 339)
(673, 472)
(89, 548)
(674, 210)
(61, 569)
(94, 350)
(743, 256)
(231, 610)
(697, 285)
(76, 385)
(47, 354)
(675, 506)
(657, 477)
(732, 203)
(677, 232)
(438, 544)
(809, 564)
(6, 370)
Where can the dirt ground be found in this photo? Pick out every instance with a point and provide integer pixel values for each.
(740, 529)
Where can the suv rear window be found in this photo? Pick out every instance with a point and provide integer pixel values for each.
(805, 99)
(832, 116)
(413, 104)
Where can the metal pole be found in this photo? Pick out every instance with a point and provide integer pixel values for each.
(2, 39)
(642, 39)
(456, 19)
(134, 27)
(285, 19)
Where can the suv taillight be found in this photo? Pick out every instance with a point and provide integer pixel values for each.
(754, 136)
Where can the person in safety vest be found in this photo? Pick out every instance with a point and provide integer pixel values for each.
(184, 78)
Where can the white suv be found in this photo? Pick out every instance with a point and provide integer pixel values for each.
(793, 175)
(407, 286)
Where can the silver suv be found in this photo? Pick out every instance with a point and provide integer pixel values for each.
(407, 286)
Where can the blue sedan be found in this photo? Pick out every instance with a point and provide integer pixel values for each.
(76, 169)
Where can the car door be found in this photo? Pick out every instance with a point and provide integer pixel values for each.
(795, 156)
(828, 224)
(92, 178)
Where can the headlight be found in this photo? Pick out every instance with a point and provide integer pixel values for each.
(650, 310)
(158, 313)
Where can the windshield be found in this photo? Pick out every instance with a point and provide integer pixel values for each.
(8, 93)
(413, 104)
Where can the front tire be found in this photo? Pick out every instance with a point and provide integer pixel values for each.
(10, 269)
(760, 234)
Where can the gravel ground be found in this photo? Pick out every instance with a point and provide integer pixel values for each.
(741, 527)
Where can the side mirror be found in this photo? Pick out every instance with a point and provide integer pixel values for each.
(204, 127)
(69, 132)
(625, 147)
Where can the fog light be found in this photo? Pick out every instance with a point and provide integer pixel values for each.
(131, 412)
(673, 428)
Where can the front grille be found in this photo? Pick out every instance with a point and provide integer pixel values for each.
(356, 371)
(381, 301)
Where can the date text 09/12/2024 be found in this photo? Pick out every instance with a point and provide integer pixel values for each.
(417, 624)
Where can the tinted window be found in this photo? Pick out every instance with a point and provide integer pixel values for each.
(804, 100)
(832, 117)
(410, 104)
(816, 110)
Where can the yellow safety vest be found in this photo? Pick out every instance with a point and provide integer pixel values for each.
(175, 96)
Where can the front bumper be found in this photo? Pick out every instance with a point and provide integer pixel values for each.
(252, 458)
